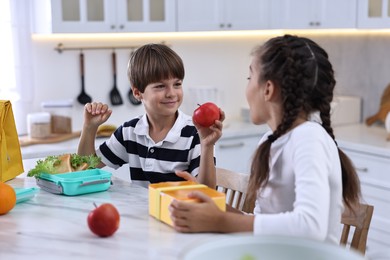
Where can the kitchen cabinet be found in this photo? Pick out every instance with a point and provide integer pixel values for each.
(105, 16)
(373, 14)
(235, 154)
(313, 14)
(235, 149)
(215, 15)
(375, 184)
(370, 154)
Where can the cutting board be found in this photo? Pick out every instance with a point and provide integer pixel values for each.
(384, 108)
(53, 138)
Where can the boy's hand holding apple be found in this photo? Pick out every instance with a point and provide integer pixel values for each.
(208, 119)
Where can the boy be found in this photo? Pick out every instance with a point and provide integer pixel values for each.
(164, 142)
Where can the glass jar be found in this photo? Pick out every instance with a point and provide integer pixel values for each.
(61, 115)
(39, 125)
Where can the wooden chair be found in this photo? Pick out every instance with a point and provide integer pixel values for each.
(360, 219)
(234, 184)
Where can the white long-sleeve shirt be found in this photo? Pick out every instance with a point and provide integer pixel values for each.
(303, 196)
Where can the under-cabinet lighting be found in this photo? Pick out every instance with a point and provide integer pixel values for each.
(205, 34)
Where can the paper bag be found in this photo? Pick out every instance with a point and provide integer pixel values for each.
(11, 164)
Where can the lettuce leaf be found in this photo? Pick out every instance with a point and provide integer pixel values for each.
(92, 160)
(50, 163)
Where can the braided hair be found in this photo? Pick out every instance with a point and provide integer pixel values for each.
(302, 71)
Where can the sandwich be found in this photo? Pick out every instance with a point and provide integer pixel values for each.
(55, 164)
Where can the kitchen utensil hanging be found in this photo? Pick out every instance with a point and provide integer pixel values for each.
(83, 97)
(130, 94)
(115, 96)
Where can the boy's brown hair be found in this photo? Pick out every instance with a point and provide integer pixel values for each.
(152, 63)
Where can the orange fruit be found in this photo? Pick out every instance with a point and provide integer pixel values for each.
(7, 198)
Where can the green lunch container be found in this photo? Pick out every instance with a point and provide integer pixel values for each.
(75, 183)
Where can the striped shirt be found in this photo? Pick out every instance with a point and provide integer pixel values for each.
(151, 162)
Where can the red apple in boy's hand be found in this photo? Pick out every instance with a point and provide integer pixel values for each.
(206, 114)
(104, 220)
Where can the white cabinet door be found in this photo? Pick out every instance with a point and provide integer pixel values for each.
(338, 14)
(375, 185)
(105, 16)
(199, 15)
(212, 15)
(373, 14)
(246, 15)
(235, 154)
(289, 14)
(78, 16)
(313, 14)
(145, 15)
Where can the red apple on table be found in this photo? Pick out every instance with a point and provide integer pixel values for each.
(206, 114)
(104, 220)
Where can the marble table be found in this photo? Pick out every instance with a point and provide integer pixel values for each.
(51, 226)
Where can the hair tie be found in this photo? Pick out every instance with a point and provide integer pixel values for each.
(272, 138)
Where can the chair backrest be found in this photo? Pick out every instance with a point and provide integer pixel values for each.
(234, 184)
(359, 218)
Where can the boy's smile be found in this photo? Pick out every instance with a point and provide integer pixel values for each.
(163, 98)
(170, 103)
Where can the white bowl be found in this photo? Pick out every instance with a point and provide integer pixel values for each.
(250, 247)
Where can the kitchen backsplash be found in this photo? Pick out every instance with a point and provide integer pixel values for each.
(360, 62)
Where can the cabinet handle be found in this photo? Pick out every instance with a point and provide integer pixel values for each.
(221, 25)
(112, 27)
(227, 146)
(318, 23)
(121, 26)
(311, 23)
(229, 25)
(361, 169)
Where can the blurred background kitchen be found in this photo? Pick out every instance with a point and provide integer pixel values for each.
(213, 37)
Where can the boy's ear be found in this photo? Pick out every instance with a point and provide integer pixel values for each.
(136, 93)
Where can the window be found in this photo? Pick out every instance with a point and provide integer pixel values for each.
(7, 64)
(16, 73)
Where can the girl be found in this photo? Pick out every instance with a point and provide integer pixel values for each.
(299, 177)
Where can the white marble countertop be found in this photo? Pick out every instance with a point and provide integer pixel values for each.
(363, 138)
(52, 226)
